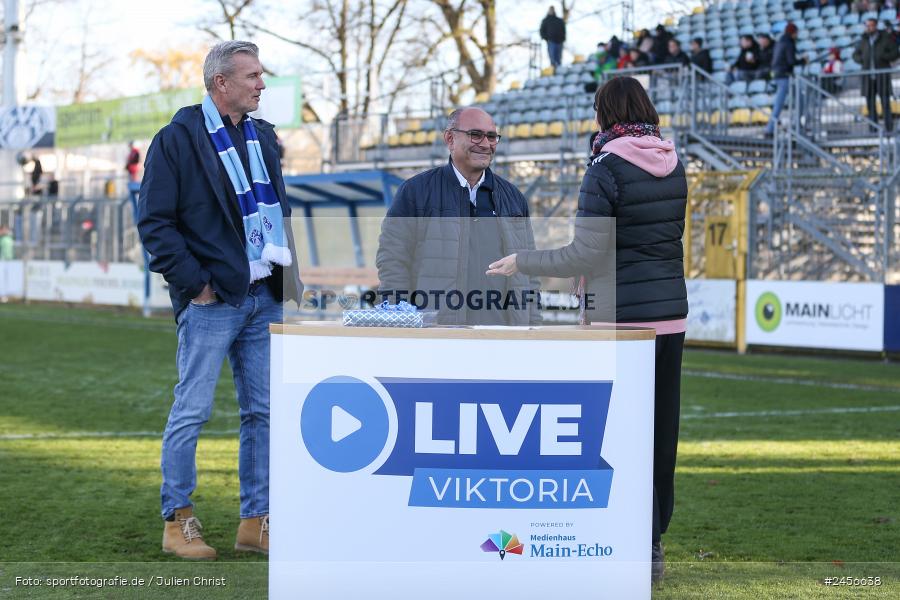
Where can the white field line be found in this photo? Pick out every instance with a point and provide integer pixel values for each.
(104, 434)
(793, 413)
(790, 381)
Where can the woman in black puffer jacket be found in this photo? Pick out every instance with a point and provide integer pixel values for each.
(636, 178)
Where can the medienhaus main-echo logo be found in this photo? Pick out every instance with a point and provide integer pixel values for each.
(467, 443)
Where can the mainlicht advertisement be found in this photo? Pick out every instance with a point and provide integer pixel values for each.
(812, 314)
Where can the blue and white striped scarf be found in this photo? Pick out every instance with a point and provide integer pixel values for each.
(263, 227)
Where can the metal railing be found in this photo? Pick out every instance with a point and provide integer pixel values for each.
(79, 229)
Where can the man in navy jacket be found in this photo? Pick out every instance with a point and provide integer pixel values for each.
(191, 223)
(448, 223)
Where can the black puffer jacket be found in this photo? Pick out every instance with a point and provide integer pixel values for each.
(425, 239)
(649, 211)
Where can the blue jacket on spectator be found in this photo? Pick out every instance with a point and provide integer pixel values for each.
(784, 58)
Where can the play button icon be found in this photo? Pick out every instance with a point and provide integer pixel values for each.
(344, 424)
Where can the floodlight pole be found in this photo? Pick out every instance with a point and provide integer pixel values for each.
(12, 39)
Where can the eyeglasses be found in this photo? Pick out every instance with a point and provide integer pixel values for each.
(476, 135)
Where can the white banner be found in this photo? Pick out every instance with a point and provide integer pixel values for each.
(115, 284)
(410, 467)
(713, 310)
(12, 279)
(812, 314)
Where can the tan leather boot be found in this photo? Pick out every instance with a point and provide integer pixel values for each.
(182, 537)
(253, 535)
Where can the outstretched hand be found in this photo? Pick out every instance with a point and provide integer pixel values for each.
(505, 266)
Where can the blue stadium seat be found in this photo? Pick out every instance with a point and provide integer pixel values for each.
(757, 86)
(805, 46)
(851, 66)
(818, 34)
(739, 102)
(828, 11)
(732, 53)
(720, 76)
(761, 100)
(810, 13)
(738, 87)
(833, 20)
(850, 19)
(838, 31)
(804, 34)
(664, 107)
(868, 15)
(717, 54)
(888, 15)
(856, 30)
(814, 23)
(843, 41)
(720, 65)
(795, 16)
(824, 43)
(814, 68)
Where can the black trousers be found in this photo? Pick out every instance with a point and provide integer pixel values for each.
(876, 86)
(669, 349)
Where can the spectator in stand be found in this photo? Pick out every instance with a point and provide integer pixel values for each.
(612, 48)
(660, 49)
(644, 41)
(833, 68)
(624, 61)
(876, 50)
(861, 6)
(636, 59)
(603, 61)
(783, 62)
(133, 162)
(676, 55)
(700, 56)
(553, 31)
(746, 66)
(766, 50)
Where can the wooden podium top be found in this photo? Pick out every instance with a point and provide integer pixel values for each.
(559, 332)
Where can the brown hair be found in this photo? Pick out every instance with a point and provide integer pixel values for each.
(623, 100)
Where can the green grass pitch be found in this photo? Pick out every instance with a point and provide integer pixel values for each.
(788, 468)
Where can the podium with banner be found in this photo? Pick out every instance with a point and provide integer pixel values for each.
(452, 462)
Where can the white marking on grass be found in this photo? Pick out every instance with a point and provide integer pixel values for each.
(104, 434)
(790, 381)
(795, 413)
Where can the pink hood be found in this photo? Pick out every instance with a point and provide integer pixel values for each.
(652, 154)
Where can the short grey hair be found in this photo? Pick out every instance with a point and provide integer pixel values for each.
(453, 117)
(219, 59)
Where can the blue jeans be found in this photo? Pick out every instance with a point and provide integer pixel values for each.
(206, 335)
(554, 50)
(781, 91)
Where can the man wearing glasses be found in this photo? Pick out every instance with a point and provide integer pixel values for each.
(448, 223)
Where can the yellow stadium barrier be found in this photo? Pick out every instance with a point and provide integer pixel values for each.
(406, 138)
(394, 140)
(716, 232)
(515, 85)
(420, 137)
(539, 130)
(556, 128)
(740, 116)
(546, 71)
(523, 130)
